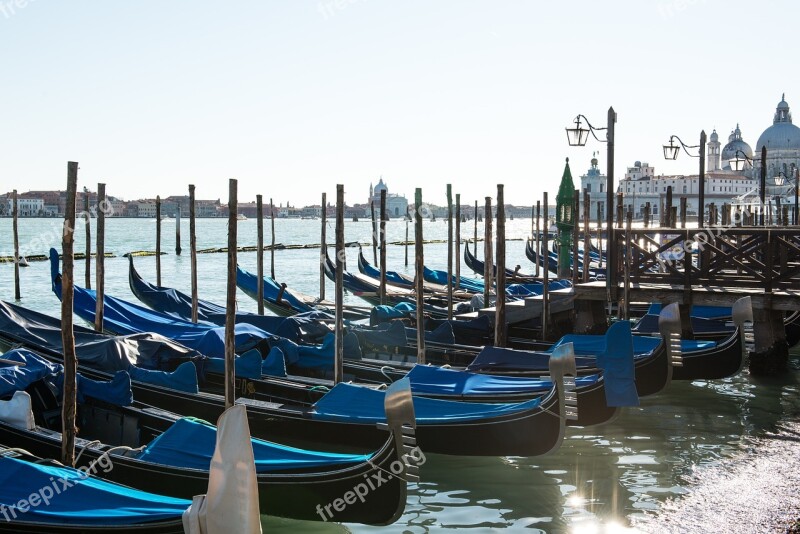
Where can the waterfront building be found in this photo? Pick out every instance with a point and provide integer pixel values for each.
(26, 207)
(396, 205)
(595, 183)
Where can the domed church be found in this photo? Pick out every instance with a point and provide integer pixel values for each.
(782, 140)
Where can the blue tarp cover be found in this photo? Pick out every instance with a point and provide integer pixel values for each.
(189, 443)
(316, 356)
(16, 378)
(89, 501)
(357, 404)
(427, 379)
(703, 312)
(274, 364)
(248, 365)
(184, 378)
(642, 345)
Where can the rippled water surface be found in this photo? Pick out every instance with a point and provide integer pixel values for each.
(602, 479)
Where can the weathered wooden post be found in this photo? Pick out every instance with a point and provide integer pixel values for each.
(647, 215)
(538, 235)
(338, 369)
(382, 286)
(576, 209)
(407, 219)
(15, 215)
(449, 252)
(683, 212)
(230, 301)
(178, 249)
(87, 219)
(419, 262)
(628, 258)
(100, 284)
(545, 252)
(620, 210)
(487, 252)
(158, 241)
(668, 208)
(260, 252)
(323, 246)
(600, 235)
(458, 241)
(500, 326)
(69, 410)
(272, 246)
(193, 252)
(475, 243)
(586, 240)
(374, 233)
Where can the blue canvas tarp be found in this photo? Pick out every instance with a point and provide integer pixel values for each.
(347, 402)
(89, 501)
(190, 443)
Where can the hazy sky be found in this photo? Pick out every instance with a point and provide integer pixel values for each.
(292, 97)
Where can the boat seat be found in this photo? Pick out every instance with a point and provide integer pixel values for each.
(45, 404)
(17, 411)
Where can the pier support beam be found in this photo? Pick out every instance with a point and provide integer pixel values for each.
(771, 355)
(590, 317)
(687, 332)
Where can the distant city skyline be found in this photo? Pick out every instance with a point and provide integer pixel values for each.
(292, 98)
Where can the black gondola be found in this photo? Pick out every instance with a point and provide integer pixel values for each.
(124, 437)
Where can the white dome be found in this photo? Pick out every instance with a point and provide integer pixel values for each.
(782, 135)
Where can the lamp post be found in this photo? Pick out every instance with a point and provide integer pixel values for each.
(738, 164)
(577, 136)
(672, 150)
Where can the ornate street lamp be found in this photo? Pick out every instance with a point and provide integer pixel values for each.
(577, 136)
(738, 164)
(672, 150)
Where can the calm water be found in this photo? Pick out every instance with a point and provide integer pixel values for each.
(601, 480)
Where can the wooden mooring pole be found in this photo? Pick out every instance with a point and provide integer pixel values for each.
(272, 245)
(100, 284)
(230, 301)
(158, 241)
(407, 219)
(69, 401)
(449, 252)
(600, 235)
(260, 252)
(538, 236)
(323, 247)
(488, 263)
(628, 258)
(178, 249)
(683, 212)
(382, 285)
(15, 216)
(500, 326)
(545, 272)
(475, 243)
(374, 233)
(419, 262)
(576, 209)
(193, 252)
(458, 241)
(586, 241)
(87, 219)
(338, 367)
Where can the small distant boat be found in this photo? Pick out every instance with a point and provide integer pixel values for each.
(241, 217)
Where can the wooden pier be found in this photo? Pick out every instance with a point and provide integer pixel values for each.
(710, 266)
